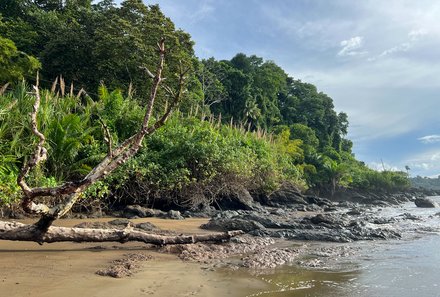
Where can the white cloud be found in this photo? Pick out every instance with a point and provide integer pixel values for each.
(425, 163)
(350, 47)
(413, 36)
(403, 47)
(435, 157)
(430, 139)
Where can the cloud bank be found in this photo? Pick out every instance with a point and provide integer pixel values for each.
(430, 139)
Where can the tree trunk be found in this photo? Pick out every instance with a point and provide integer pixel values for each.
(22, 232)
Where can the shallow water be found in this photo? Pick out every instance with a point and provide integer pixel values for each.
(403, 268)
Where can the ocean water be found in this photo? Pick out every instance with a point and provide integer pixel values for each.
(409, 267)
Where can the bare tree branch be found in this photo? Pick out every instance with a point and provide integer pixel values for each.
(40, 152)
(107, 137)
(170, 107)
(149, 73)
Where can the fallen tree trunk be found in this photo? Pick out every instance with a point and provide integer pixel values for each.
(23, 232)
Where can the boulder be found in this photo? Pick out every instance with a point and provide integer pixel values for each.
(146, 226)
(120, 222)
(239, 198)
(425, 203)
(287, 195)
(266, 221)
(318, 201)
(133, 211)
(232, 224)
(174, 215)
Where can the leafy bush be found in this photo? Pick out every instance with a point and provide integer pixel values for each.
(191, 161)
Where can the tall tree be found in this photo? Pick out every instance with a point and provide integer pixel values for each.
(14, 64)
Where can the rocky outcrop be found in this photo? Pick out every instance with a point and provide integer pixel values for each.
(237, 199)
(425, 203)
(287, 195)
(229, 224)
(174, 215)
(335, 227)
(137, 211)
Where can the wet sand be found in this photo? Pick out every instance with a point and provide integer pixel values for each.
(68, 269)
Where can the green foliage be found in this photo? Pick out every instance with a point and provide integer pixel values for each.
(365, 178)
(15, 65)
(93, 43)
(187, 156)
(192, 161)
(9, 189)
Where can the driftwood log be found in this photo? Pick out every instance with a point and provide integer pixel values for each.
(24, 232)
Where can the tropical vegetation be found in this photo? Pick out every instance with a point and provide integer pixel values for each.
(243, 123)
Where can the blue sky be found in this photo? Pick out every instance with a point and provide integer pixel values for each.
(378, 60)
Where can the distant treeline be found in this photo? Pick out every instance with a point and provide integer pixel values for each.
(426, 183)
(243, 121)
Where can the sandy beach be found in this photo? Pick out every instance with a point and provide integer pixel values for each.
(68, 269)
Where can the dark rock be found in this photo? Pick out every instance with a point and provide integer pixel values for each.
(174, 215)
(313, 207)
(347, 204)
(354, 212)
(120, 222)
(287, 195)
(425, 202)
(323, 218)
(330, 208)
(131, 211)
(146, 226)
(201, 212)
(381, 203)
(227, 214)
(322, 236)
(318, 201)
(232, 224)
(300, 208)
(160, 213)
(237, 199)
(264, 220)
